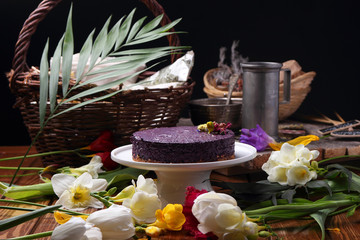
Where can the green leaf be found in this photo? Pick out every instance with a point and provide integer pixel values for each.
(102, 88)
(44, 83)
(162, 29)
(343, 170)
(85, 103)
(319, 184)
(129, 53)
(54, 75)
(121, 176)
(124, 29)
(112, 38)
(352, 210)
(99, 44)
(135, 28)
(68, 51)
(150, 25)
(84, 57)
(148, 39)
(253, 188)
(320, 217)
(289, 195)
(14, 221)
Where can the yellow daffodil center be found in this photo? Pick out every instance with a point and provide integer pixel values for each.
(80, 196)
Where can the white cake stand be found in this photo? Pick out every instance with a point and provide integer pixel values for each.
(173, 178)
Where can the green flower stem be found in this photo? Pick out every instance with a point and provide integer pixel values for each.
(27, 152)
(310, 207)
(101, 199)
(40, 154)
(35, 204)
(22, 202)
(20, 175)
(23, 168)
(33, 236)
(338, 157)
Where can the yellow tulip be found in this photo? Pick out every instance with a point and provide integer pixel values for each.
(304, 140)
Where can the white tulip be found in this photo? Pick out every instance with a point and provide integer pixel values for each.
(73, 229)
(93, 233)
(114, 222)
(218, 213)
(74, 193)
(143, 206)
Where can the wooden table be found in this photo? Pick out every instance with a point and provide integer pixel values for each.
(338, 227)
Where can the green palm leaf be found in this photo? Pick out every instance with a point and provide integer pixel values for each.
(112, 37)
(99, 44)
(84, 56)
(54, 75)
(124, 29)
(44, 82)
(106, 44)
(68, 51)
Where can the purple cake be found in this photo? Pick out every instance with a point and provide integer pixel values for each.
(181, 145)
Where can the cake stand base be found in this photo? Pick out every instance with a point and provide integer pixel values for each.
(172, 185)
(173, 178)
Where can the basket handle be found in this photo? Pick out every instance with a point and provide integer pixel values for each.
(19, 64)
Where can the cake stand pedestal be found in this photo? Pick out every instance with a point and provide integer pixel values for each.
(173, 178)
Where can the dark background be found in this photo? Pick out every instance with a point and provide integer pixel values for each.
(321, 35)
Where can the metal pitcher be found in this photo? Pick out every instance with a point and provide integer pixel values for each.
(261, 95)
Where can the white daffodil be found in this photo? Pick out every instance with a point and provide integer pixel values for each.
(114, 222)
(218, 213)
(291, 165)
(142, 199)
(93, 167)
(143, 206)
(76, 228)
(74, 193)
(146, 185)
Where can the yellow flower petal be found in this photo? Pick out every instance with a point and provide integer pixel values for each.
(170, 218)
(304, 140)
(62, 217)
(153, 231)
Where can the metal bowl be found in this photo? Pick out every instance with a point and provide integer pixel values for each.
(215, 109)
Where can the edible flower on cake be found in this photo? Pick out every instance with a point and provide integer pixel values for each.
(214, 127)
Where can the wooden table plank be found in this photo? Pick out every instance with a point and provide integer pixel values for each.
(288, 230)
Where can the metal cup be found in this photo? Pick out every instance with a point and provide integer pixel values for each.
(261, 95)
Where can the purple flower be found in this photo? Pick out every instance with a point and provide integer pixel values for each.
(256, 137)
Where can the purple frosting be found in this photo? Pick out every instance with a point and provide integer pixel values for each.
(181, 145)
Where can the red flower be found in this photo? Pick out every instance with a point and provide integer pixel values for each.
(106, 160)
(104, 143)
(191, 222)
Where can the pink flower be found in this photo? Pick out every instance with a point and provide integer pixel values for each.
(191, 222)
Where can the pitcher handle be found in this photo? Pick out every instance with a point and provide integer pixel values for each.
(287, 87)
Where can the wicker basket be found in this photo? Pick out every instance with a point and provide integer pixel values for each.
(124, 113)
(300, 87)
